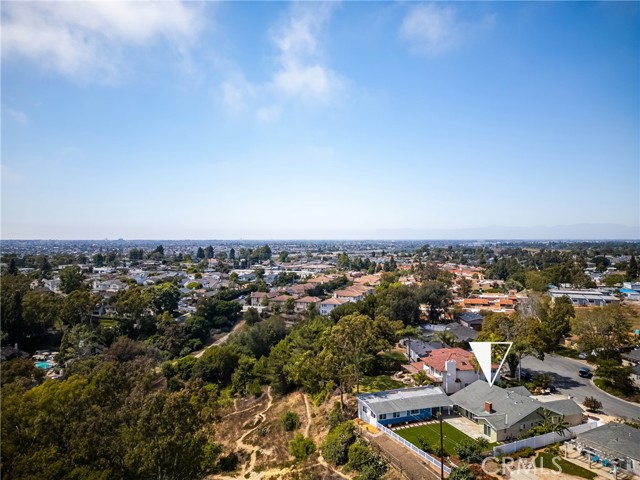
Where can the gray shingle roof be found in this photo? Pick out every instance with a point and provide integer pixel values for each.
(616, 439)
(389, 401)
(509, 406)
(563, 407)
(471, 317)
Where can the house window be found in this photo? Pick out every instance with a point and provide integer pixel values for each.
(523, 426)
(415, 412)
(396, 414)
(365, 409)
(383, 416)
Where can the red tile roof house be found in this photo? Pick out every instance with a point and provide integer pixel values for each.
(279, 300)
(302, 304)
(455, 368)
(353, 294)
(257, 298)
(327, 306)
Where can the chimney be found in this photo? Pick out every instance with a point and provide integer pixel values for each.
(487, 407)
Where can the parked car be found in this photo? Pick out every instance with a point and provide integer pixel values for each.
(582, 356)
(584, 372)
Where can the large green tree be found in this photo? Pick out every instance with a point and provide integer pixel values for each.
(71, 278)
(603, 329)
(349, 344)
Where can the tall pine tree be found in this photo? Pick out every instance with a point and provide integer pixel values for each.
(632, 271)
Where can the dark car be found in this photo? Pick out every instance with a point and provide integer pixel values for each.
(584, 372)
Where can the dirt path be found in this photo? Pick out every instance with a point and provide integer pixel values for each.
(306, 406)
(220, 341)
(247, 470)
(321, 459)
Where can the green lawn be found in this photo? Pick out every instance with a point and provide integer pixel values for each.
(567, 467)
(381, 382)
(431, 434)
(108, 323)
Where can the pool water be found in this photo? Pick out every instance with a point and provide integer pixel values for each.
(43, 365)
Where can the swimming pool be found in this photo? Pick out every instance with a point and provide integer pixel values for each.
(44, 365)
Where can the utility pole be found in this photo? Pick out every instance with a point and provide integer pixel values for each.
(441, 447)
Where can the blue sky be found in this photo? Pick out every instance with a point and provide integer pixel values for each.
(319, 120)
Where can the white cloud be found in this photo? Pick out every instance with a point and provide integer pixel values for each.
(86, 39)
(9, 175)
(268, 114)
(17, 116)
(433, 28)
(236, 93)
(302, 71)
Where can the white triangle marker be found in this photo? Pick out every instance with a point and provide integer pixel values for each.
(482, 351)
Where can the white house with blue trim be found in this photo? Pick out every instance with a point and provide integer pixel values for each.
(391, 407)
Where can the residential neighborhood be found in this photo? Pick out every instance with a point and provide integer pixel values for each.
(415, 312)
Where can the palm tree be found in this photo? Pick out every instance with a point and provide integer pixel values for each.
(445, 337)
(421, 378)
(551, 423)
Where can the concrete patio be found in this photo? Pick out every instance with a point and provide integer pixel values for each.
(466, 426)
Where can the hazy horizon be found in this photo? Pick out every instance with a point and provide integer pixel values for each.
(585, 232)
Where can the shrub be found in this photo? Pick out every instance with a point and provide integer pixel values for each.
(542, 380)
(301, 447)
(470, 450)
(290, 421)
(525, 452)
(553, 449)
(592, 404)
(335, 415)
(359, 455)
(229, 462)
(463, 472)
(369, 464)
(335, 448)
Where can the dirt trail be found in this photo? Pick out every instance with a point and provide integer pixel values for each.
(252, 449)
(306, 406)
(220, 341)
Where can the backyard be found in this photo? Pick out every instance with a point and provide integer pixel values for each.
(430, 434)
(546, 459)
(378, 383)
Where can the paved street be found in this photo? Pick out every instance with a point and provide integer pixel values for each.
(566, 379)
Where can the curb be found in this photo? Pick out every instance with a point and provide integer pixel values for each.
(633, 404)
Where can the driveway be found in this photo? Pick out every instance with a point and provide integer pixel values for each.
(565, 378)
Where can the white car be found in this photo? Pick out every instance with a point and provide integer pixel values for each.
(582, 356)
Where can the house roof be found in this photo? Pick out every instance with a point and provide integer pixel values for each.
(421, 348)
(471, 317)
(508, 406)
(438, 358)
(389, 401)
(461, 333)
(618, 439)
(633, 355)
(281, 298)
(308, 300)
(347, 293)
(564, 407)
(332, 301)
